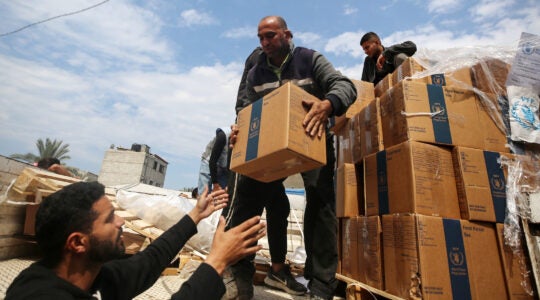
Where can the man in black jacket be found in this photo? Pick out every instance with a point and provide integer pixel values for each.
(282, 62)
(81, 241)
(381, 61)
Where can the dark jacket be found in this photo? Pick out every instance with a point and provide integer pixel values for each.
(307, 69)
(124, 278)
(372, 74)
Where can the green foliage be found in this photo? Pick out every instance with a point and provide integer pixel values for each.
(49, 148)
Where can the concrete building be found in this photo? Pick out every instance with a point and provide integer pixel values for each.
(130, 166)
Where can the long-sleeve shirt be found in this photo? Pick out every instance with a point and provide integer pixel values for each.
(372, 74)
(124, 278)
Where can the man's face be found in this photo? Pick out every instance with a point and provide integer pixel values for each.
(371, 48)
(106, 241)
(274, 40)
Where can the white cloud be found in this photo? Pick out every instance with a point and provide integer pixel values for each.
(490, 9)
(308, 39)
(348, 42)
(349, 10)
(242, 32)
(192, 17)
(443, 6)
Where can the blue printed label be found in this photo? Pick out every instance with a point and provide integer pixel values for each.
(439, 119)
(497, 184)
(254, 130)
(382, 183)
(438, 79)
(457, 260)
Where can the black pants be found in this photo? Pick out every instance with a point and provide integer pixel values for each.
(248, 197)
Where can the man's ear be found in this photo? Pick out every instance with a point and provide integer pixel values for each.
(288, 34)
(77, 242)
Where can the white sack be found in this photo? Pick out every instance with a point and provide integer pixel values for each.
(165, 211)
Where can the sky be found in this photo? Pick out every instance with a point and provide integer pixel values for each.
(97, 73)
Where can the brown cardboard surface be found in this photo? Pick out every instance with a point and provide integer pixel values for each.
(370, 251)
(516, 266)
(429, 113)
(272, 142)
(408, 68)
(491, 121)
(481, 183)
(411, 177)
(367, 131)
(382, 86)
(349, 248)
(460, 78)
(348, 202)
(344, 147)
(489, 75)
(365, 93)
(435, 258)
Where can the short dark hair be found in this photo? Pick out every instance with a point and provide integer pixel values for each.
(46, 162)
(64, 212)
(369, 36)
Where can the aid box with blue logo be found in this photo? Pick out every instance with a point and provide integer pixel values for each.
(429, 257)
(481, 182)
(271, 142)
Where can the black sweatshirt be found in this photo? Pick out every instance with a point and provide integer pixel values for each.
(124, 278)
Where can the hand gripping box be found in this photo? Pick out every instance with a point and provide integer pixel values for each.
(271, 142)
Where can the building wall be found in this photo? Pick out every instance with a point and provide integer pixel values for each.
(154, 171)
(129, 167)
(121, 167)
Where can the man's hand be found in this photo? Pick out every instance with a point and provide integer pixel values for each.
(208, 203)
(317, 117)
(233, 136)
(380, 61)
(216, 187)
(230, 246)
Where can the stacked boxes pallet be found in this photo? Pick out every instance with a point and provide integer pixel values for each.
(421, 187)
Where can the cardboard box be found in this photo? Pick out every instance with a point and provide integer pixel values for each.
(460, 78)
(349, 248)
(489, 75)
(411, 177)
(370, 260)
(272, 142)
(407, 69)
(339, 245)
(382, 86)
(494, 122)
(344, 144)
(481, 182)
(434, 258)
(349, 194)
(516, 265)
(367, 131)
(365, 93)
(430, 113)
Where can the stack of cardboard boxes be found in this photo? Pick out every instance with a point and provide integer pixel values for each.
(421, 190)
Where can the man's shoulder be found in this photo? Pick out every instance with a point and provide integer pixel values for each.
(38, 282)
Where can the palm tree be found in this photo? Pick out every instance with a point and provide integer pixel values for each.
(46, 149)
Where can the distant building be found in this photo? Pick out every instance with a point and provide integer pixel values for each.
(130, 166)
